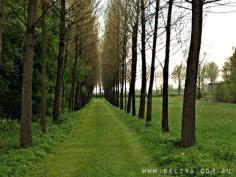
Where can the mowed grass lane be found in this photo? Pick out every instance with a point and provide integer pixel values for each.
(100, 146)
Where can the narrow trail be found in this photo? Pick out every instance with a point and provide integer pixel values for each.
(101, 146)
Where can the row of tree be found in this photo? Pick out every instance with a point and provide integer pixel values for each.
(51, 49)
(138, 24)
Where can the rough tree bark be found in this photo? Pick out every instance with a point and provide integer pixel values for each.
(26, 102)
(188, 120)
(165, 122)
(43, 102)
(144, 72)
(149, 101)
(61, 58)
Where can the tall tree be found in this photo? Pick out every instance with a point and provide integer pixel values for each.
(26, 103)
(43, 101)
(143, 53)
(124, 55)
(188, 120)
(178, 75)
(61, 58)
(212, 73)
(165, 121)
(131, 95)
(226, 70)
(149, 101)
(201, 79)
(2, 4)
(74, 72)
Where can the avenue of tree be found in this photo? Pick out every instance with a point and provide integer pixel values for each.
(53, 60)
(137, 25)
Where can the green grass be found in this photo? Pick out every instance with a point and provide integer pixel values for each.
(216, 137)
(15, 161)
(101, 146)
(102, 141)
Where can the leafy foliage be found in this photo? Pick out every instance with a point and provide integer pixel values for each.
(226, 91)
(16, 161)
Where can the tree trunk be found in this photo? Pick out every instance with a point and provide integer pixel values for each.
(149, 101)
(26, 102)
(144, 72)
(61, 57)
(43, 102)
(118, 89)
(131, 96)
(78, 99)
(124, 54)
(128, 109)
(165, 122)
(2, 4)
(199, 93)
(122, 85)
(74, 73)
(188, 121)
(63, 82)
(179, 87)
(125, 79)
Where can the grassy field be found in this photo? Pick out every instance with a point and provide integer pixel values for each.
(101, 140)
(215, 149)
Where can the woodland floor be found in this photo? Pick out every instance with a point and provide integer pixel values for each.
(101, 145)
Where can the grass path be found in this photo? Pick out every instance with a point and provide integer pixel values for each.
(100, 146)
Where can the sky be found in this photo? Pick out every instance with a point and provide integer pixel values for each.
(218, 37)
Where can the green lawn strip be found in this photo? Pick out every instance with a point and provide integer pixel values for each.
(101, 146)
(215, 147)
(15, 161)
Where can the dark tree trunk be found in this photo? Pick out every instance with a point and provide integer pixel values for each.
(74, 73)
(100, 90)
(2, 4)
(26, 102)
(43, 102)
(165, 122)
(179, 87)
(63, 82)
(188, 121)
(78, 99)
(149, 101)
(122, 86)
(61, 58)
(144, 72)
(125, 79)
(118, 90)
(124, 53)
(128, 109)
(131, 95)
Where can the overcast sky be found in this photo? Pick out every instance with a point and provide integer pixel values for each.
(219, 36)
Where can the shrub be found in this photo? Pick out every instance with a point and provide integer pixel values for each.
(223, 93)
